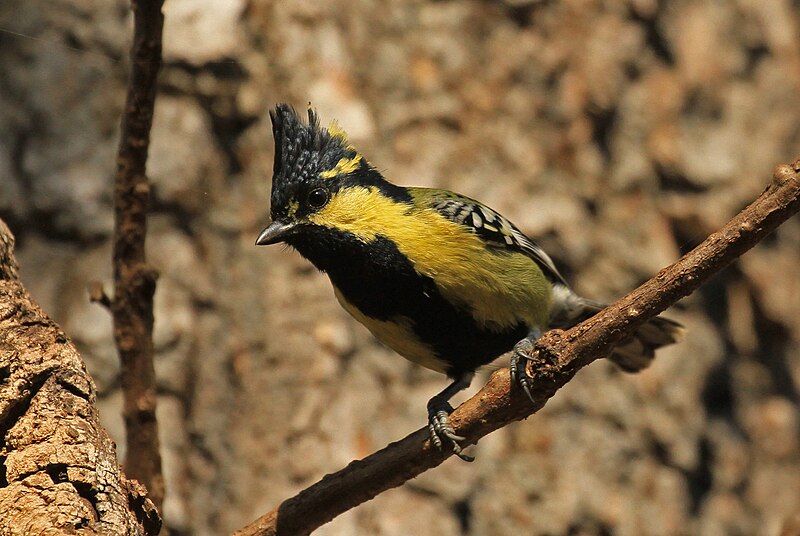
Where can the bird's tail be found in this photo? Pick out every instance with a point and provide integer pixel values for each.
(632, 354)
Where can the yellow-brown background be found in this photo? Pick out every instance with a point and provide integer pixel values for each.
(617, 133)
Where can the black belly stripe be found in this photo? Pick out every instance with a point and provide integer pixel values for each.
(382, 283)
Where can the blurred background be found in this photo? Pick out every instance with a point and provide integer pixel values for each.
(619, 134)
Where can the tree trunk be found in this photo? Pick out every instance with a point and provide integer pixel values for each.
(58, 466)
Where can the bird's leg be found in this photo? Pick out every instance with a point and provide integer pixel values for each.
(439, 410)
(521, 354)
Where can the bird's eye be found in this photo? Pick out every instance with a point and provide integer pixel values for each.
(318, 197)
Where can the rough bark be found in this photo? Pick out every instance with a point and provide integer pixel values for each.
(556, 357)
(58, 466)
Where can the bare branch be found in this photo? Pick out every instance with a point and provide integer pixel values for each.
(557, 356)
(58, 466)
(134, 279)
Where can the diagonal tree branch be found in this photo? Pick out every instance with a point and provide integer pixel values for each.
(134, 279)
(557, 356)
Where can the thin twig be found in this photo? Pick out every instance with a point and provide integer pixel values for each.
(97, 294)
(557, 356)
(134, 280)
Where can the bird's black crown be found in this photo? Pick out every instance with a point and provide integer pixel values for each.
(302, 150)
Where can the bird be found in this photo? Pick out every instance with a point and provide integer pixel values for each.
(438, 277)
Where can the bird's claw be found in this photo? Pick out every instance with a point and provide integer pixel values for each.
(440, 428)
(519, 376)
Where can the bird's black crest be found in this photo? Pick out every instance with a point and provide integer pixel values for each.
(308, 155)
(303, 149)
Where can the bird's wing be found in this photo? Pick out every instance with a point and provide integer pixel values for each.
(491, 226)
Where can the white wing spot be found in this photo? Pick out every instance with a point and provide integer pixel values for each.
(476, 220)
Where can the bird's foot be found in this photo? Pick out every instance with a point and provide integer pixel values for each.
(441, 430)
(520, 356)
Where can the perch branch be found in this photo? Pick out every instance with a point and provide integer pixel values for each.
(134, 279)
(556, 357)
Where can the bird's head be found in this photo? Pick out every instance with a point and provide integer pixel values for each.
(312, 164)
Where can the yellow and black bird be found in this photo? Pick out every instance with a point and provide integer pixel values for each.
(440, 278)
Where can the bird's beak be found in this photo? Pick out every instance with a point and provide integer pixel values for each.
(276, 232)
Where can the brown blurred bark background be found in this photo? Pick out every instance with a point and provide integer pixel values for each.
(617, 133)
